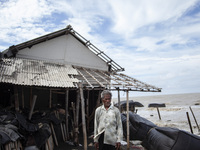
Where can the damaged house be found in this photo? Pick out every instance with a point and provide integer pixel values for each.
(60, 73)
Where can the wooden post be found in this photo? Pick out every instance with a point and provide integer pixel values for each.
(66, 112)
(76, 117)
(83, 117)
(194, 118)
(32, 107)
(16, 98)
(22, 97)
(189, 122)
(50, 98)
(31, 97)
(119, 100)
(127, 123)
(87, 109)
(158, 113)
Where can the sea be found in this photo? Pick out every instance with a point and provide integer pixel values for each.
(181, 111)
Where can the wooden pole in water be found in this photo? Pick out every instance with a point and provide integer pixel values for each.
(158, 113)
(189, 122)
(194, 118)
(83, 116)
(127, 123)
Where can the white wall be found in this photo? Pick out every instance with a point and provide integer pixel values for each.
(64, 49)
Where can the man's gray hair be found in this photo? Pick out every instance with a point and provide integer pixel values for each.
(106, 92)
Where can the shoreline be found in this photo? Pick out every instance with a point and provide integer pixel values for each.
(174, 114)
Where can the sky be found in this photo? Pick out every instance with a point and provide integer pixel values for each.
(156, 41)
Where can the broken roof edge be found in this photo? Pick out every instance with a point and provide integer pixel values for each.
(13, 50)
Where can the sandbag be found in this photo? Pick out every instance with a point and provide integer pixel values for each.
(159, 138)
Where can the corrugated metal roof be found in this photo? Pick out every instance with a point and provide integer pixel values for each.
(37, 73)
(41, 73)
(91, 78)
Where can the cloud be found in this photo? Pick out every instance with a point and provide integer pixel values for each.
(21, 20)
(131, 15)
(155, 41)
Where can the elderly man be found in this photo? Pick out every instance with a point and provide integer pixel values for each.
(108, 132)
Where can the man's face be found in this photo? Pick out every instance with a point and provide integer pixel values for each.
(106, 100)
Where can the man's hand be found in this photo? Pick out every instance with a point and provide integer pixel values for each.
(118, 145)
(96, 145)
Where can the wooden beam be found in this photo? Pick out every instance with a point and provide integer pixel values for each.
(108, 82)
(93, 77)
(84, 78)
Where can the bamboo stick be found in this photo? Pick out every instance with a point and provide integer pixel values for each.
(48, 144)
(32, 106)
(87, 109)
(16, 98)
(83, 117)
(66, 113)
(50, 98)
(62, 131)
(22, 97)
(119, 100)
(76, 140)
(31, 97)
(127, 123)
(54, 135)
(16, 146)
